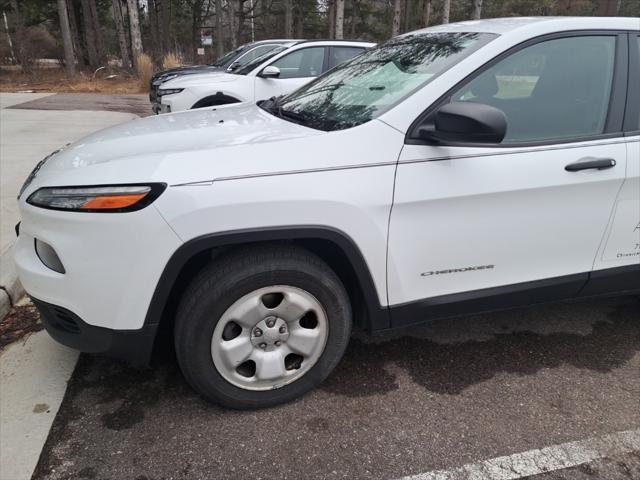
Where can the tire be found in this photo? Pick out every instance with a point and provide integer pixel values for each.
(227, 302)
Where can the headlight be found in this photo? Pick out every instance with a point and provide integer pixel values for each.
(169, 91)
(116, 198)
(166, 78)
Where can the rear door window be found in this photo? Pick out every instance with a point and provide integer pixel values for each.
(338, 55)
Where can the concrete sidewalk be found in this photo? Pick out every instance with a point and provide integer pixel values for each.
(34, 375)
(35, 371)
(27, 136)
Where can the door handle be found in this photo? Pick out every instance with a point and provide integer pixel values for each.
(591, 163)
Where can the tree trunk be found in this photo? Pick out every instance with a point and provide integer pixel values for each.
(339, 19)
(288, 18)
(97, 29)
(134, 27)
(165, 26)
(446, 9)
(397, 15)
(332, 18)
(153, 29)
(122, 36)
(233, 24)
(196, 23)
(607, 8)
(406, 22)
(477, 9)
(19, 37)
(89, 34)
(78, 48)
(299, 20)
(219, 30)
(355, 15)
(426, 13)
(67, 43)
(240, 19)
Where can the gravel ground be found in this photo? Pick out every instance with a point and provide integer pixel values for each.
(21, 320)
(447, 394)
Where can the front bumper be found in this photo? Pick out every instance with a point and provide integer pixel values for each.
(112, 262)
(64, 326)
(177, 102)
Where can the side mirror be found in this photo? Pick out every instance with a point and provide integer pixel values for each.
(233, 66)
(270, 72)
(466, 122)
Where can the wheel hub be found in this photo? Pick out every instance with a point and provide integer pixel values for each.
(269, 333)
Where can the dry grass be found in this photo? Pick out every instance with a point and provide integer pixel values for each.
(55, 80)
(171, 60)
(145, 71)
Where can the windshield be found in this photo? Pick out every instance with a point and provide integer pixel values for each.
(362, 88)
(248, 67)
(229, 57)
(251, 55)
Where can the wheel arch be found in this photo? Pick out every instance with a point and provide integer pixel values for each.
(333, 246)
(218, 98)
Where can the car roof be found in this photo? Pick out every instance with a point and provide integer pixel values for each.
(277, 40)
(355, 43)
(509, 24)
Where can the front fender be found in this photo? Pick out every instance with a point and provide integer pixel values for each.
(377, 315)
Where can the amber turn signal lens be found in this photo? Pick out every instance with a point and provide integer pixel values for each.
(111, 202)
(101, 198)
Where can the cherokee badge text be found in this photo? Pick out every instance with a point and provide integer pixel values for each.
(456, 270)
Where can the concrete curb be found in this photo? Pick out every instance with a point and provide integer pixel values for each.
(11, 290)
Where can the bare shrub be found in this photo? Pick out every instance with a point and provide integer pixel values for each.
(171, 60)
(145, 71)
(36, 50)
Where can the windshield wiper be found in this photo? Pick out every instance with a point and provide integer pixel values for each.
(271, 105)
(274, 106)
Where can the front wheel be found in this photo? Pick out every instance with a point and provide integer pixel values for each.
(262, 326)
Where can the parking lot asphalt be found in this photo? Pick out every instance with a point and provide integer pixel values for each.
(451, 393)
(617, 467)
(136, 104)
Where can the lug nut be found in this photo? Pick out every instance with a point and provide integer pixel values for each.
(257, 332)
(271, 323)
(283, 329)
(278, 343)
(263, 345)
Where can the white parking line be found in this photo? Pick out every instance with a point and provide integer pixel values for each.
(534, 462)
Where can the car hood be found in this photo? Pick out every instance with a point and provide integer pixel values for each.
(145, 148)
(188, 70)
(202, 79)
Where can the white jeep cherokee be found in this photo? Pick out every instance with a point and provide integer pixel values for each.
(462, 168)
(279, 71)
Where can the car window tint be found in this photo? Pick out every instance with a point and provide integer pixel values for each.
(306, 62)
(552, 90)
(337, 55)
